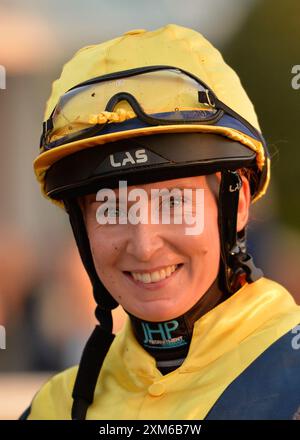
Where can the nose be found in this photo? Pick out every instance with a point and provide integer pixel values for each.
(144, 241)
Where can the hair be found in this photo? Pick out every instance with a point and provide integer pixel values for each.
(250, 174)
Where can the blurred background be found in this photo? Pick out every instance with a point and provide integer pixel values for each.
(46, 302)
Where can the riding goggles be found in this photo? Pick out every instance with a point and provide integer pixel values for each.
(153, 95)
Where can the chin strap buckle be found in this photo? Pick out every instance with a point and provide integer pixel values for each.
(243, 267)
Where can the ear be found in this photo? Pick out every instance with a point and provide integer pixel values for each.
(244, 204)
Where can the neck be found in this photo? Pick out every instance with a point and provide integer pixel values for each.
(168, 341)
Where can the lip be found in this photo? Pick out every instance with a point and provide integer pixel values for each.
(156, 285)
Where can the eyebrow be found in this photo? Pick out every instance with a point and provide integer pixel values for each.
(169, 189)
(181, 188)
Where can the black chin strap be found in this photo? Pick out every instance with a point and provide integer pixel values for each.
(238, 265)
(102, 337)
(90, 365)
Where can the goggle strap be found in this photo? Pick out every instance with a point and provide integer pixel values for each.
(47, 126)
(207, 97)
(134, 72)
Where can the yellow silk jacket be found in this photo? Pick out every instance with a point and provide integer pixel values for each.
(225, 342)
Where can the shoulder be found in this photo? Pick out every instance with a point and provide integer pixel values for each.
(269, 388)
(54, 399)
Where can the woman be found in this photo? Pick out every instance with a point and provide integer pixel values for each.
(207, 335)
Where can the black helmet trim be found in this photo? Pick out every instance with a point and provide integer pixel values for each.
(145, 159)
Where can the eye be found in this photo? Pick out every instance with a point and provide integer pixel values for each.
(115, 212)
(172, 202)
(176, 201)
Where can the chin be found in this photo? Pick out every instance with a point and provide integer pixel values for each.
(157, 314)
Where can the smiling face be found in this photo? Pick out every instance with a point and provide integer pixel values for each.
(156, 271)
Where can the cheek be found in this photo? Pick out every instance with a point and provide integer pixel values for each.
(205, 248)
(105, 254)
(103, 245)
(211, 235)
(208, 242)
(105, 251)
(209, 216)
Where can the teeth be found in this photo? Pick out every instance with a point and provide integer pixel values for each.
(154, 277)
(162, 274)
(169, 270)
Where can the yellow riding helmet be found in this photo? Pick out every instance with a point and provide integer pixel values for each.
(178, 83)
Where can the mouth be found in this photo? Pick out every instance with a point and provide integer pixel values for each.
(155, 278)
